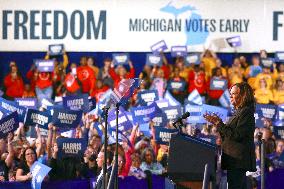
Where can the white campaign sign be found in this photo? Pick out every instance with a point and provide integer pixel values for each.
(134, 26)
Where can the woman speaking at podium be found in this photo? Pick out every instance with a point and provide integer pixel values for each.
(238, 154)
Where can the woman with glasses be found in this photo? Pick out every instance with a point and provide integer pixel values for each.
(23, 172)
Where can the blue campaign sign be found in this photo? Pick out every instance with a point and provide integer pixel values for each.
(44, 65)
(195, 113)
(179, 51)
(258, 119)
(279, 56)
(146, 96)
(27, 102)
(267, 62)
(56, 49)
(64, 118)
(221, 112)
(71, 147)
(36, 117)
(163, 135)
(172, 112)
(99, 128)
(192, 58)
(218, 84)
(120, 58)
(225, 99)
(8, 124)
(163, 103)
(158, 47)
(278, 132)
(124, 124)
(160, 120)
(143, 114)
(234, 41)
(154, 60)
(145, 129)
(176, 85)
(279, 117)
(77, 102)
(39, 172)
(171, 99)
(208, 138)
(267, 110)
(92, 103)
(254, 70)
(195, 98)
(11, 106)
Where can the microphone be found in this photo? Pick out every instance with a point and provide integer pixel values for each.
(184, 116)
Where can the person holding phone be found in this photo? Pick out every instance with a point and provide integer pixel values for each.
(238, 150)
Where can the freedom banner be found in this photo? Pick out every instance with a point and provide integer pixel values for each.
(172, 112)
(163, 135)
(44, 65)
(55, 49)
(11, 106)
(218, 84)
(27, 102)
(71, 147)
(64, 118)
(39, 172)
(147, 96)
(8, 124)
(143, 114)
(36, 117)
(77, 102)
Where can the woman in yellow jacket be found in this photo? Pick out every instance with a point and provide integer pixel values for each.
(263, 94)
(278, 92)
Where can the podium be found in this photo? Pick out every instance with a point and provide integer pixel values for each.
(187, 159)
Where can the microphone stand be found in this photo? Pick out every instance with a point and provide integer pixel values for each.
(105, 176)
(178, 125)
(114, 171)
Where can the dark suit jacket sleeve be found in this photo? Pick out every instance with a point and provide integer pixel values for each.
(245, 123)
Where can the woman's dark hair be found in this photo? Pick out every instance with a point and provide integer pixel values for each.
(24, 154)
(246, 94)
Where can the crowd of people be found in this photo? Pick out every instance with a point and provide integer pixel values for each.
(143, 156)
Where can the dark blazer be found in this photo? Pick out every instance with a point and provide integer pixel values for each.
(99, 184)
(238, 151)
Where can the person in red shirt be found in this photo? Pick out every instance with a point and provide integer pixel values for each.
(121, 73)
(214, 94)
(71, 82)
(86, 76)
(197, 80)
(43, 85)
(100, 90)
(14, 84)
